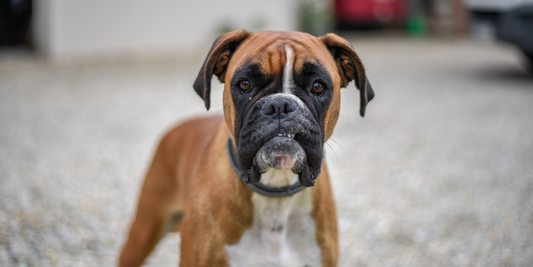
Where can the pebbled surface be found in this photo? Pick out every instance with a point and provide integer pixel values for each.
(438, 173)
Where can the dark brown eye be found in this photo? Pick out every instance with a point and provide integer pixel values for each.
(317, 88)
(244, 85)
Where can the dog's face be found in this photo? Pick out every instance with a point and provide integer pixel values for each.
(282, 96)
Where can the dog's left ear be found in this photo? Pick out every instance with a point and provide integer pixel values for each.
(217, 61)
(349, 66)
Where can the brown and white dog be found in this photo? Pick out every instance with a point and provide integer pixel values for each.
(252, 200)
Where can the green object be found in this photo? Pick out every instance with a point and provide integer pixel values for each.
(417, 26)
(225, 26)
(315, 17)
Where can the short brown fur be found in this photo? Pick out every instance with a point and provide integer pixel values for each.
(190, 177)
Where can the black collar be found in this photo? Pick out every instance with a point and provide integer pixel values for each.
(259, 188)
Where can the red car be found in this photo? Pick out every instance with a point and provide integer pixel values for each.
(369, 12)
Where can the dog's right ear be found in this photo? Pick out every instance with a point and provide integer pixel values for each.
(217, 61)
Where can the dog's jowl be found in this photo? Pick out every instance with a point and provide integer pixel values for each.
(252, 188)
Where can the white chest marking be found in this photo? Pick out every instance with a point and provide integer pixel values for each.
(288, 82)
(283, 232)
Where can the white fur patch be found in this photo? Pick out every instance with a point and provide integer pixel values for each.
(282, 235)
(288, 82)
(278, 178)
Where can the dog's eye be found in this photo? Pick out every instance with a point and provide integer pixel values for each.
(317, 88)
(245, 85)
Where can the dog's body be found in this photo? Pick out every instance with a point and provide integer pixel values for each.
(281, 103)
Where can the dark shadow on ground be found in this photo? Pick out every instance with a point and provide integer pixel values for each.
(505, 74)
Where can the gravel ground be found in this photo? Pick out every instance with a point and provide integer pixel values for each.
(439, 172)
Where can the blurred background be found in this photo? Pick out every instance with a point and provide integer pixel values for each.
(438, 173)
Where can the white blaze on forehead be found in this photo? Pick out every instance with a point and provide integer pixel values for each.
(288, 83)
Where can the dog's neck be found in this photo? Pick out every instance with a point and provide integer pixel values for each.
(278, 178)
(283, 232)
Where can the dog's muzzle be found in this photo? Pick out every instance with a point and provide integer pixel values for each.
(283, 124)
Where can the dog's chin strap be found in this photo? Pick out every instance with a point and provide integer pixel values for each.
(260, 188)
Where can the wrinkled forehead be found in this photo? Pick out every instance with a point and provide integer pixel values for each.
(271, 51)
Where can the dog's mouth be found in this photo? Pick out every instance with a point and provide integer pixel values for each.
(289, 135)
(282, 152)
(284, 156)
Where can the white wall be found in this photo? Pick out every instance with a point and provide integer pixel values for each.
(65, 28)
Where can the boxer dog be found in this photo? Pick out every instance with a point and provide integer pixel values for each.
(252, 188)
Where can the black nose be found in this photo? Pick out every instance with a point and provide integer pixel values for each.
(279, 108)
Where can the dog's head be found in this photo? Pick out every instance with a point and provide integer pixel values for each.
(282, 96)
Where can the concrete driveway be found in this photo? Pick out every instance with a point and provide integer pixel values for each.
(438, 173)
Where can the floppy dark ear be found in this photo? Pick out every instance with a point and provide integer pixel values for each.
(349, 66)
(216, 62)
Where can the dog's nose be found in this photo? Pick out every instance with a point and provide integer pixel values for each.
(279, 108)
